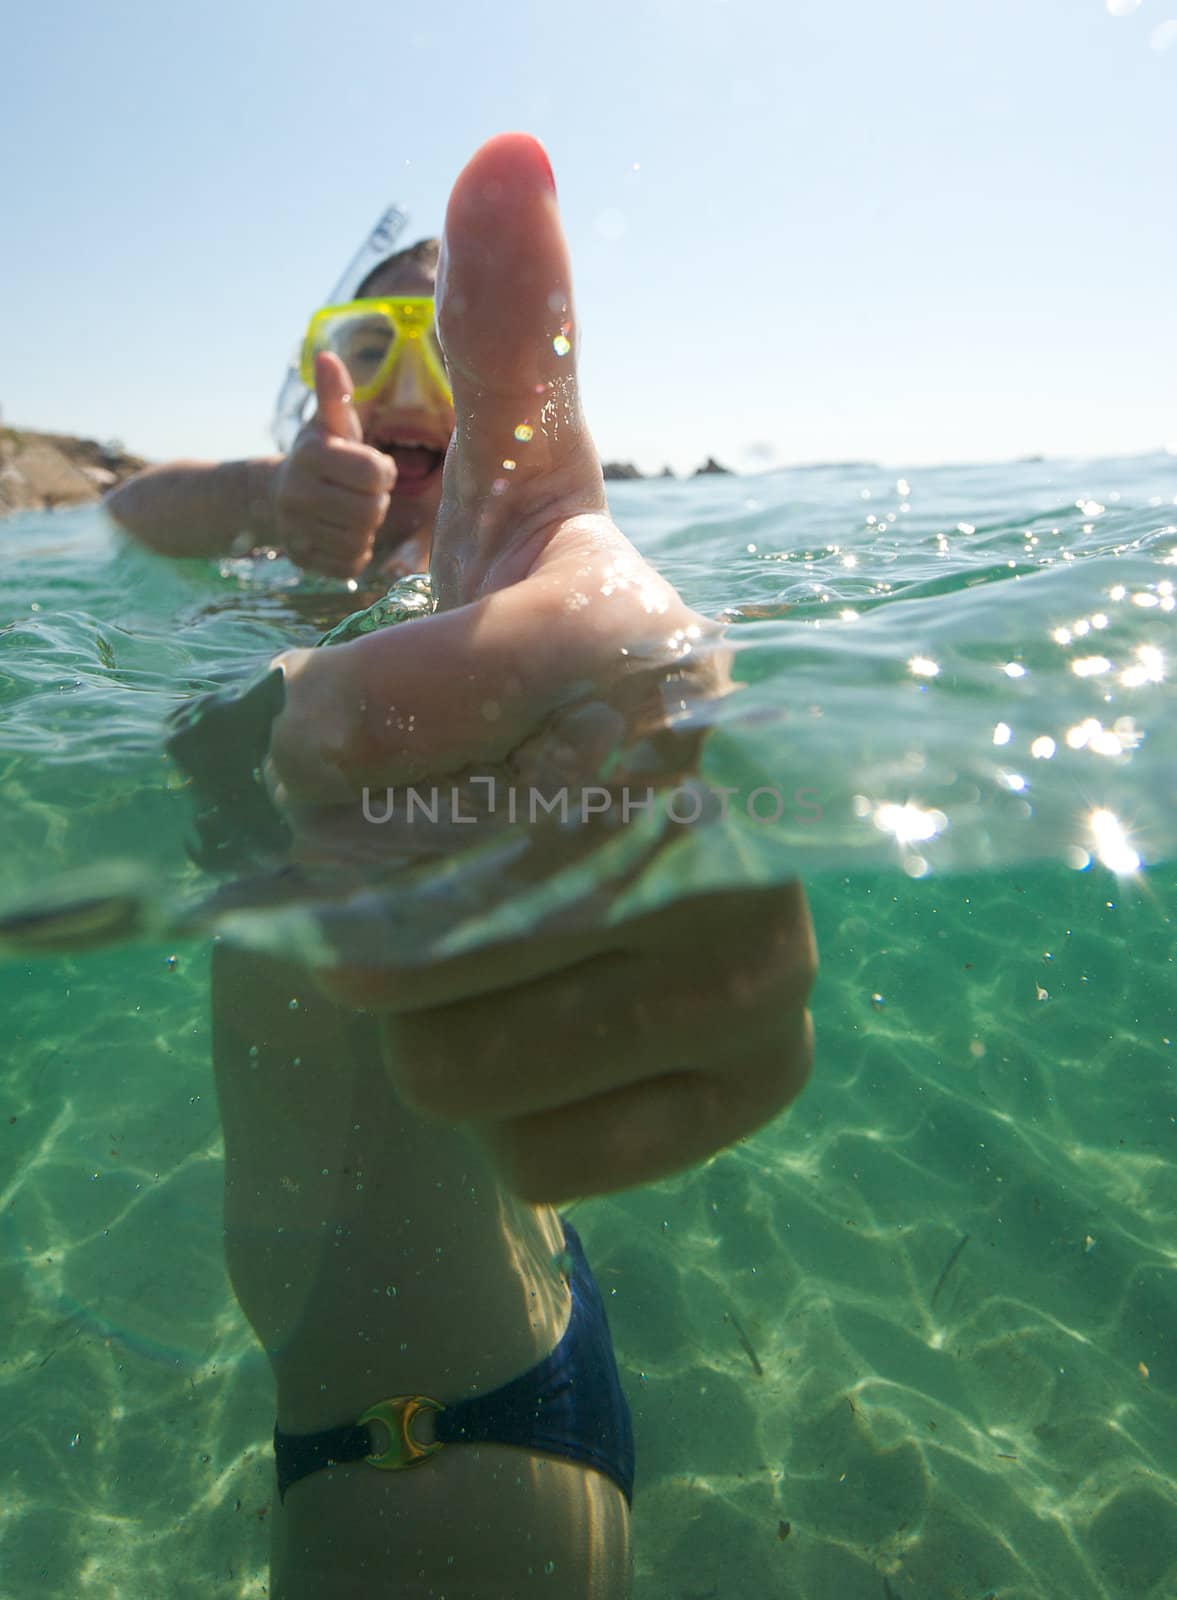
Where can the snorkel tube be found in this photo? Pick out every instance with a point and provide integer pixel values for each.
(294, 398)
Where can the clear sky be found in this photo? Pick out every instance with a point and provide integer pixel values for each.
(801, 229)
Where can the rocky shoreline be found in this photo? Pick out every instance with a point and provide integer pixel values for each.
(41, 471)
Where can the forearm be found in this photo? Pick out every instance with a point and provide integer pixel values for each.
(197, 508)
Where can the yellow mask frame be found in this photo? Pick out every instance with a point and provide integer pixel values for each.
(370, 337)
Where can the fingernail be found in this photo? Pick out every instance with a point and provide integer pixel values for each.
(547, 166)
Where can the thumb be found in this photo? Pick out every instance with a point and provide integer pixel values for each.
(506, 323)
(336, 412)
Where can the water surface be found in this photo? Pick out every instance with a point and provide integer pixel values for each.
(973, 667)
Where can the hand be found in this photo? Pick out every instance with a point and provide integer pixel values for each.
(331, 492)
(595, 1058)
(641, 1051)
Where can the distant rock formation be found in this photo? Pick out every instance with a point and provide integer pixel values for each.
(39, 471)
(626, 472)
(712, 466)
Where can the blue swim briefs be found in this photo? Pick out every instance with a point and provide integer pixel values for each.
(570, 1405)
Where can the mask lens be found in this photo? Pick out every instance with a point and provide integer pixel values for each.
(362, 341)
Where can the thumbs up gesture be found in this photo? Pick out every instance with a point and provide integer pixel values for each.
(549, 623)
(331, 493)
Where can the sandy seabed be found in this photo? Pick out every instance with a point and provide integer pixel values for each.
(822, 1410)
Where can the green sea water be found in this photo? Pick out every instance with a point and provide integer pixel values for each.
(969, 671)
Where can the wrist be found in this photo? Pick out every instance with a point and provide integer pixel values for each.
(258, 478)
(313, 737)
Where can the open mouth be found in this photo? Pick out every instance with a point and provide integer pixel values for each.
(416, 464)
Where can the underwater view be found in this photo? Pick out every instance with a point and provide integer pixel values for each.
(915, 1338)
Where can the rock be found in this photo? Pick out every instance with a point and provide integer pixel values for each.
(619, 471)
(39, 471)
(712, 466)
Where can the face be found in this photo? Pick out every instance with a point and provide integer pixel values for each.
(411, 420)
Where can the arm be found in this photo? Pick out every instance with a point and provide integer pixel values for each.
(322, 504)
(197, 508)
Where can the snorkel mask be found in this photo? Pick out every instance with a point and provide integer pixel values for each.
(295, 397)
(370, 337)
